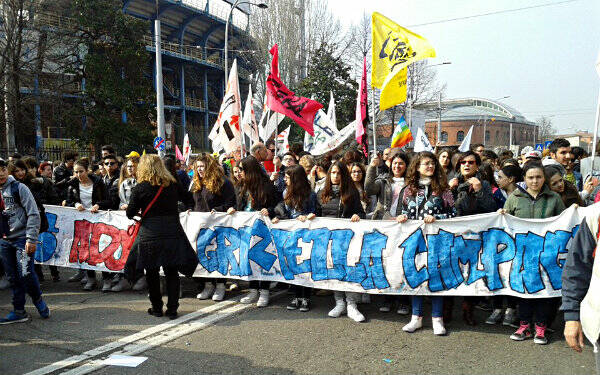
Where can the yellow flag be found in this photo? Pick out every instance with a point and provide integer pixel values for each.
(394, 48)
(144, 152)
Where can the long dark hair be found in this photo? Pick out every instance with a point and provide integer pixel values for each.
(255, 181)
(487, 173)
(439, 183)
(347, 188)
(299, 188)
(450, 153)
(362, 192)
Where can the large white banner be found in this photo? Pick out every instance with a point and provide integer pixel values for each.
(489, 254)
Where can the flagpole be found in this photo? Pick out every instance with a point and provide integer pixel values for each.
(596, 132)
(374, 125)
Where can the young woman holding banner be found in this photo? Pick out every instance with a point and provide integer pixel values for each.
(536, 201)
(387, 188)
(339, 198)
(213, 192)
(161, 241)
(299, 202)
(88, 192)
(256, 193)
(428, 198)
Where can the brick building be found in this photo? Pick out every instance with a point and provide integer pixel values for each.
(490, 118)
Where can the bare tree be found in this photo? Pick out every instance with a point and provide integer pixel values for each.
(545, 128)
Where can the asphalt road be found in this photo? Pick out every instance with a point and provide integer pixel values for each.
(229, 338)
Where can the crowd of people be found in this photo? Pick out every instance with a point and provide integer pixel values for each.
(396, 185)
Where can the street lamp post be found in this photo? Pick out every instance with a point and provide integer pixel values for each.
(225, 49)
(439, 126)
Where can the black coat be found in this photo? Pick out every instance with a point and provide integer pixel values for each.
(205, 201)
(161, 241)
(43, 191)
(62, 179)
(112, 187)
(470, 202)
(99, 194)
(335, 208)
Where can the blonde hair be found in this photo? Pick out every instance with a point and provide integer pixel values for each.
(214, 177)
(152, 170)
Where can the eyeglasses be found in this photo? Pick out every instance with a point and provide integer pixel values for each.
(467, 162)
(272, 150)
(110, 163)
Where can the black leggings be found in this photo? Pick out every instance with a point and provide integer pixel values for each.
(105, 275)
(172, 278)
(302, 291)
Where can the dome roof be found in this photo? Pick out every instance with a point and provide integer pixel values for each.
(476, 109)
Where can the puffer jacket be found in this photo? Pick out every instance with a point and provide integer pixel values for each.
(381, 187)
(310, 206)
(521, 204)
(416, 204)
(335, 208)
(470, 202)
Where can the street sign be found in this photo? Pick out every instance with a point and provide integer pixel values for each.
(159, 144)
(547, 144)
(539, 147)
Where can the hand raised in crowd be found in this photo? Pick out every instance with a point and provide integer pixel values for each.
(355, 218)
(453, 183)
(475, 183)
(428, 219)
(274, 176)
(376, 161)
(230, 211)
(94, 208)
(401, 218)
(277, 162)
(590, 184)
(574, 335)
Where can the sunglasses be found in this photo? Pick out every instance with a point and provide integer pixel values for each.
(110, 163)
(467, 162)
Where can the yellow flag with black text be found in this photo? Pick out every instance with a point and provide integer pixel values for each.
(394, 48)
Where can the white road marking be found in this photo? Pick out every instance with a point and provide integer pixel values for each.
(141, 342)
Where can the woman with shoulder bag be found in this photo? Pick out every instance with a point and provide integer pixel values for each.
(161, 241)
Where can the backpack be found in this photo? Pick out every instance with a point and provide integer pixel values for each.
(14, 191)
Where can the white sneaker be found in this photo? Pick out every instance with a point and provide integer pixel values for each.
(207, 292)
(415, 323)
(141, 284)
(219, 292)
(4, 283)
(438, 326)
(251, 297)
(354, 314)
(339, 309)
(263, 299)
(365, 298)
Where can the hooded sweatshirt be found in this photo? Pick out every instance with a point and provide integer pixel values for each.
(23, 216)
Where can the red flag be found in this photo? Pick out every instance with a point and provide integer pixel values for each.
(280, 99)
(362, 118)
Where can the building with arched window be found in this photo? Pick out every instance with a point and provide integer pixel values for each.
(490, 119)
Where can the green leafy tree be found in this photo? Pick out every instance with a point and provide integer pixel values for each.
(113, 58)
(329, 73)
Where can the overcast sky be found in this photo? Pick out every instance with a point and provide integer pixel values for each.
(542, 57)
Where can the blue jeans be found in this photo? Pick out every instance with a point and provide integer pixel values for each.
(437, 306)
(18, 283)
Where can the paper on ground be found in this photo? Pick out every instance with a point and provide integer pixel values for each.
(124, 360)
